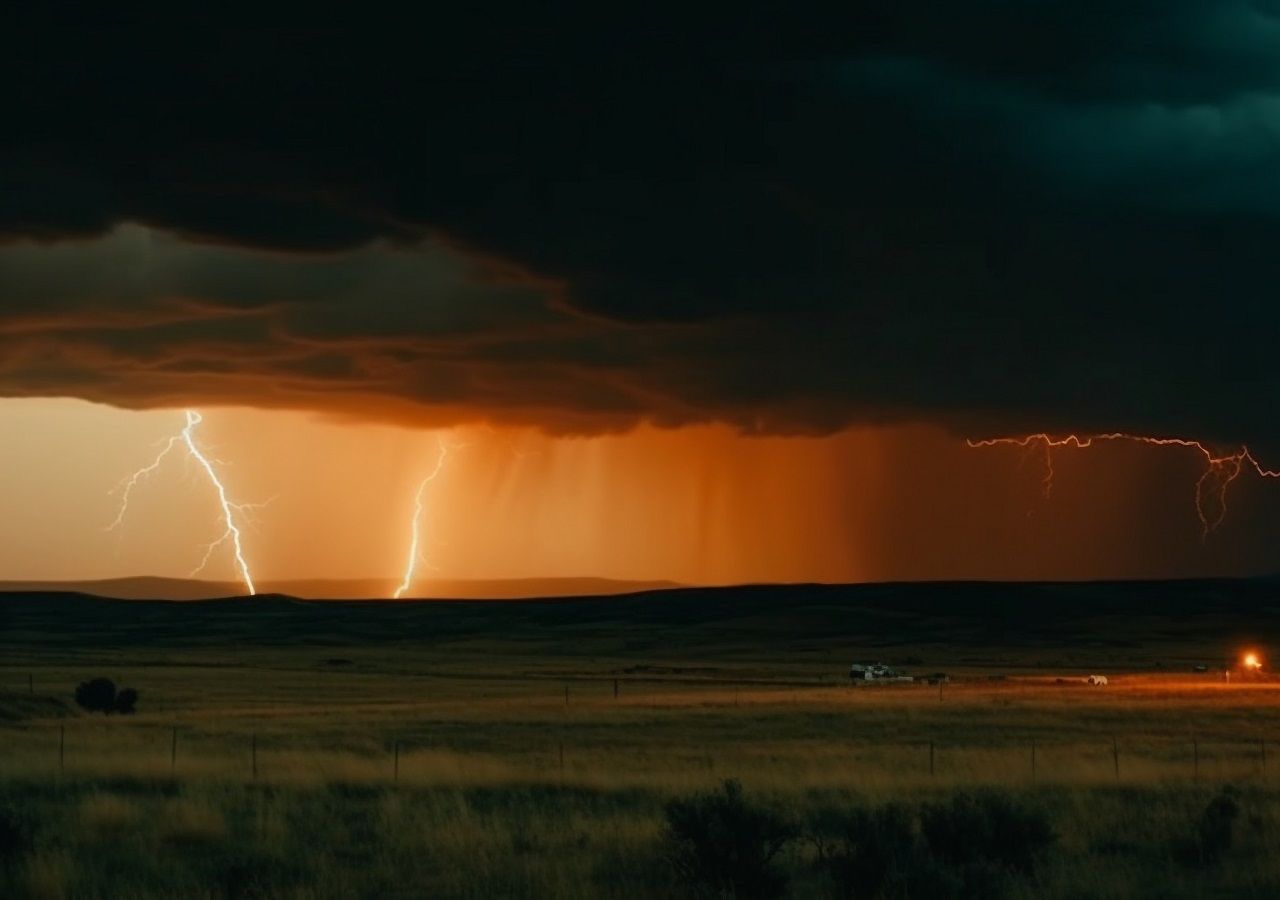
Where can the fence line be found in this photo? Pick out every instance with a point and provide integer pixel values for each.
(1046, 759)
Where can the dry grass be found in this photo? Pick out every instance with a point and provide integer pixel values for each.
(503, 789)
(107, 813)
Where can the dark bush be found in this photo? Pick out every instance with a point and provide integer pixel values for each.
(99, 695)
(868, 853)
(880, 853)
(127, 701)
(254, 875)
(1212, 833)
(986, 831)
(15, 837)
(720, 844)
(1216, 826)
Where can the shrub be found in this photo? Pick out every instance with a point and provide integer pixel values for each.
(99, 695)
(720, 844)
(986, 830)
(127, 701)
(966, 849)
(1216, 825)
(1212, 833)
(251, 874)
(868, 853)
(15, 838)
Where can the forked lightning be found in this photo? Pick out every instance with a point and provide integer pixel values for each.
(229, 509)
(415, 525)
(1221, 469)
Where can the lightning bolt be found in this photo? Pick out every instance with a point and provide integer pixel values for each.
(1221, 469)
(415, 526)
(231, 530)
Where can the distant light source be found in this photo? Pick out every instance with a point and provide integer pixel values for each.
(1251, 662)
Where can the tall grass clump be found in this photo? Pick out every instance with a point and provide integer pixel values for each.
(970, 846)
(15, 836)
(1212, 833)
(866, 852)
(720, 844)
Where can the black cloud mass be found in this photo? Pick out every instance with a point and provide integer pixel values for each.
(993, 216)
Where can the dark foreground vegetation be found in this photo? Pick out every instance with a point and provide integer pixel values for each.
(694, 744)
(129, 839)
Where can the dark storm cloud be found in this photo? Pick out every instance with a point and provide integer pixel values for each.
(1053, 214)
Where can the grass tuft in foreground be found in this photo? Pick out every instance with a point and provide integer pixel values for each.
(212, 840)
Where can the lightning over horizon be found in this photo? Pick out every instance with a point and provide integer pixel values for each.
(415, 526)
(231, 532)
(1219, 473)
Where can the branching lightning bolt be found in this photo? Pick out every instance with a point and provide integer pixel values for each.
(415, 526)
(229, 509)
(1221, 469)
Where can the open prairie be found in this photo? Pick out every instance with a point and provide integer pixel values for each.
(287, 749)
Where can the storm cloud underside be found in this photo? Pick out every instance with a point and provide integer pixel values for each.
(957, 214)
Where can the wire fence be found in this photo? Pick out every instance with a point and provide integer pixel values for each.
(177, 752)
(80, 746)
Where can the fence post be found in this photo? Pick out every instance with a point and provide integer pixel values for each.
(395, 772)
(931, 758)
(173, 752)
(1115, 755)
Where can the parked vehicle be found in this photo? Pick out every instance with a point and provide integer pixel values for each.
(873, 672)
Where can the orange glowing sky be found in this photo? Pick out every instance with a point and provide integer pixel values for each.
(697, 303)
(698, 504)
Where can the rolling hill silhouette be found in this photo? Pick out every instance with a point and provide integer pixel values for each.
(1117, 624)
(154, 588)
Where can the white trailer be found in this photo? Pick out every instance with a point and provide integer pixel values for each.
(876, 672)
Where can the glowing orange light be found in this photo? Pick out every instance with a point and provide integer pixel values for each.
(1251, 662)
(1220, 469)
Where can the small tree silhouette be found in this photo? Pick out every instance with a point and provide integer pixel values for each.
(126, 701)
(99, 695)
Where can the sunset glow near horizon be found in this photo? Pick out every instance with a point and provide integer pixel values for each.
(696, 505)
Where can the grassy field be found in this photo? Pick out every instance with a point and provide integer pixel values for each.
(284, 749)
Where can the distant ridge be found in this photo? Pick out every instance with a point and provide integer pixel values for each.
(1086, 624)
(156, 588)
